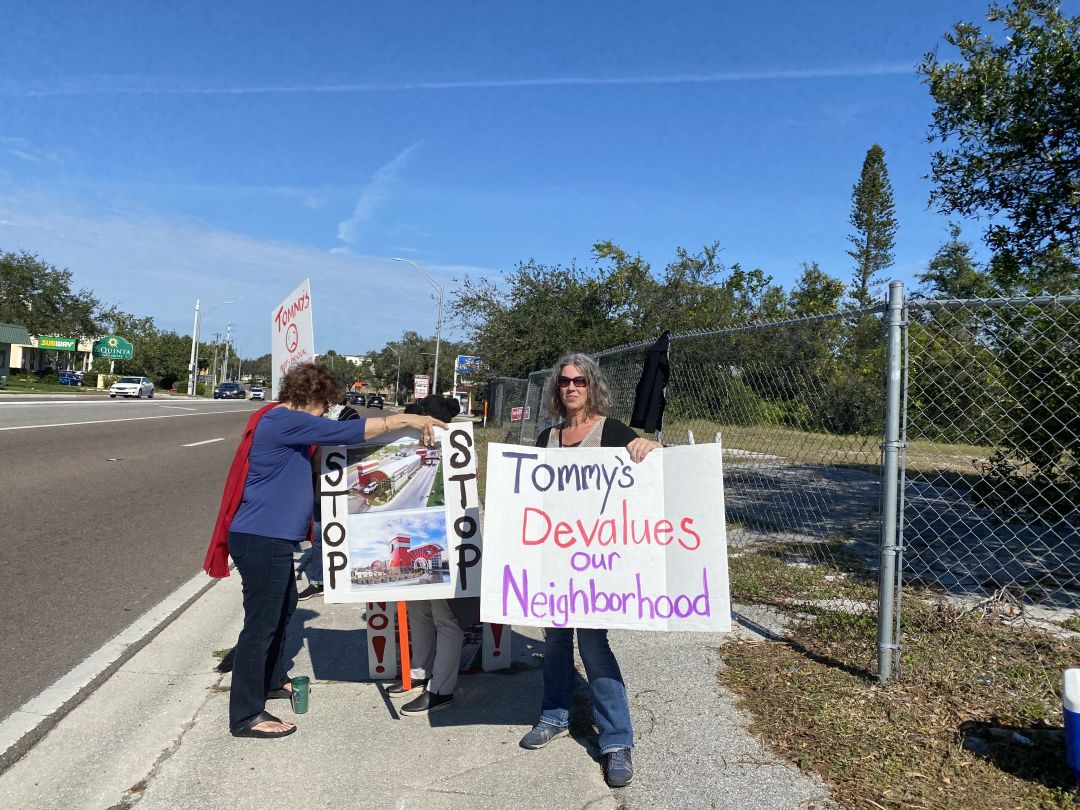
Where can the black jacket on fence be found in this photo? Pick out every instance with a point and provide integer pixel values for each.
(649, 401)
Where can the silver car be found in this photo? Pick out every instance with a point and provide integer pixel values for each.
(256, 392)
(137, 387)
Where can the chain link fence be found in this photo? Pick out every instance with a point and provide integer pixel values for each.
(797, 405)
(927, 444)
(504, 395)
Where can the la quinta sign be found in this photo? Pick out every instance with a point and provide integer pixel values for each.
(113, 347)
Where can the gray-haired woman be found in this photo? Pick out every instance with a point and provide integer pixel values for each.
(579, 396)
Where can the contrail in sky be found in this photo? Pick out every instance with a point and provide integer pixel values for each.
(136, 85)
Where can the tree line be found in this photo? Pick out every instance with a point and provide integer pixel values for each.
(42, 297)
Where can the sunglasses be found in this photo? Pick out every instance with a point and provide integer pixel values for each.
(579, 382)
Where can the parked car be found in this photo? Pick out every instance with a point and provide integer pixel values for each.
(375, 401)
(70, 377)
(353, 398)
(230, 390)
(137, 387)
(370, 487)
(257, 392)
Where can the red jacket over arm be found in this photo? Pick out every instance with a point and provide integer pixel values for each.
(216, 563)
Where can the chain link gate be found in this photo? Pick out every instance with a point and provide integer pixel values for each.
(989, 494)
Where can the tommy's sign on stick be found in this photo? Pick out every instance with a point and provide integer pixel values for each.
(401, 521)
(585, 537)
(291, 337)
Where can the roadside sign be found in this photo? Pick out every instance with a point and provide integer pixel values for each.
(113, 347)
(60, 344)
(468, 365)
(421, 385)
(517, 414)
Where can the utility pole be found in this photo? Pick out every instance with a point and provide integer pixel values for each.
(225, 359)
(214, 367)
(192, 367)
(397, 382)
(438, 323)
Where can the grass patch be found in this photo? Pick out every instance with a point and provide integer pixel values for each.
(23, 384)
(940, 735)
(830, 449)
(779, 573)
(437, 496)
(1072, 623)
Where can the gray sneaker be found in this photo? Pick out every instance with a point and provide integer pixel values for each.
(542, 733)
(618, 768)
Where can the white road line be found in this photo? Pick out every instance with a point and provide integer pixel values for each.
(178, 407)
(207, 441)
(109, 421)
(37, 715)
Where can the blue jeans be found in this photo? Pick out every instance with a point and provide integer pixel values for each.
(611, 711)
(311, 560)
(266, 573)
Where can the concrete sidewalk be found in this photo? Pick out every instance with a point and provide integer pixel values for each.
(155, 734)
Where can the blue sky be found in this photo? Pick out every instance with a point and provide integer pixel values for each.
(226, 151)
(370, 534)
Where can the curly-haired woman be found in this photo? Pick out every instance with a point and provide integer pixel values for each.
(273, 516)
(578, 394)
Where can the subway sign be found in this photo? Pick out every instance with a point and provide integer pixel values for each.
(60, 344)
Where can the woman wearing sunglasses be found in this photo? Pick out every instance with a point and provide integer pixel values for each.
(578, 394)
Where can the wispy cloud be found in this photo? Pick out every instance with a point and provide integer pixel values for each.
(25, 150)
(151, 264)
(372, 196)
(136, 85)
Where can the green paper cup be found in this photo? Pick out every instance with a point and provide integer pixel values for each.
(300, 686)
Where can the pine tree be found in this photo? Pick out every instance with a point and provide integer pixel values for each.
(874, 220)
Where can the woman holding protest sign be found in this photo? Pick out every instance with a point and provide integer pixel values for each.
(265, 513)
(578, 394)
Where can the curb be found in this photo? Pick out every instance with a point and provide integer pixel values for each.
(21, 730)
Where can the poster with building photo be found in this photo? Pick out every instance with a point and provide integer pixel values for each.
(400, 521)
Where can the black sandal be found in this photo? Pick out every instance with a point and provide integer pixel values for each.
(249, 730)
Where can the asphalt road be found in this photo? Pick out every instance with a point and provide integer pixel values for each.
(106, 507)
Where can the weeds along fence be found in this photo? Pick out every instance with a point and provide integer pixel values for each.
(926, 444)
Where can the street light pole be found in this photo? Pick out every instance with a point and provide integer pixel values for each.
(193, 386)
(438, 323)
(193, 371)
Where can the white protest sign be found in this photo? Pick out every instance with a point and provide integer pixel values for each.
(401, 521)
(585, 537)
(291, 338)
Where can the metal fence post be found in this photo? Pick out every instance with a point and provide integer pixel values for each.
(890, 475)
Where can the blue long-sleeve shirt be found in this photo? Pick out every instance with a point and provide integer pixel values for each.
(278, 495)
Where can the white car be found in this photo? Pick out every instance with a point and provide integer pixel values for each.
(256, 392)
(137, 387)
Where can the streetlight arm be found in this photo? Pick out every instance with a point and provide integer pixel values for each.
(422, 272)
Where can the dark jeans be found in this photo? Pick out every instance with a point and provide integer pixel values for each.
(266, 571)
(611, 710)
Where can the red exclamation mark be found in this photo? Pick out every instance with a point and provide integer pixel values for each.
(378, 643)
(496, 635)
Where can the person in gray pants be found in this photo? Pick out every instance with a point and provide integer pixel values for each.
(436, 657)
